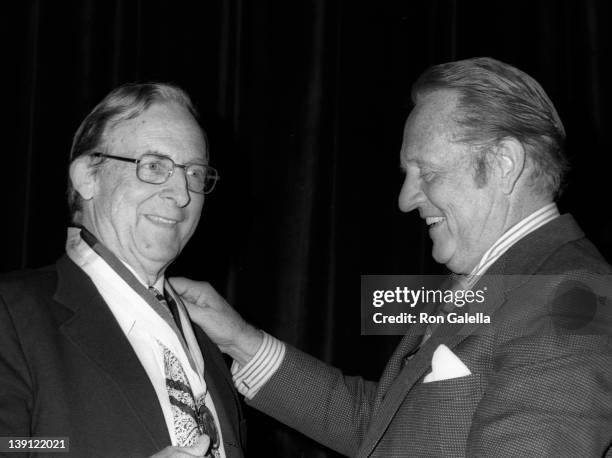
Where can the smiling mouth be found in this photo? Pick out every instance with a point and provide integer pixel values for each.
(161, 221)
(434, 221)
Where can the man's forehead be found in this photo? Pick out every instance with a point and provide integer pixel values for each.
(157, 116)
(430, 128)
(163, 128)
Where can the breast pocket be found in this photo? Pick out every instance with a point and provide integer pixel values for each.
(444, 411)
(454, 388)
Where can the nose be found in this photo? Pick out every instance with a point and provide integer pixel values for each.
(176, 188)
(411, 195)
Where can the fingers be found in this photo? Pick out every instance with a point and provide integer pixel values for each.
(199, 449)
(183, 285)
(192, 309)
(201, 446)
(193, 291)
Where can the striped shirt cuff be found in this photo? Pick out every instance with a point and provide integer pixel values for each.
(250, 378)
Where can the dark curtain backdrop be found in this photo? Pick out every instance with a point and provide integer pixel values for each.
(304, 103)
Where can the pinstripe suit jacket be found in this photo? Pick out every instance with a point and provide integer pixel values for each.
(541, 373)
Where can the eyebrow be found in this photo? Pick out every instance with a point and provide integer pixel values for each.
(157, 153)
(419, 162)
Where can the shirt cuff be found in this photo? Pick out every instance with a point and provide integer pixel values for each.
(250, 378)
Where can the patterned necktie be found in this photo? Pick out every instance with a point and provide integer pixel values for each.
(182, 400)
(185, 407)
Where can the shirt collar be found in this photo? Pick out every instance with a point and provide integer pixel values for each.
(525, 226)
(81, 253)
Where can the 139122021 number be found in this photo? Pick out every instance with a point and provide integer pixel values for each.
(37, 444)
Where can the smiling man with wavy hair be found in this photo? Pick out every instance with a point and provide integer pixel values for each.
(483, 157)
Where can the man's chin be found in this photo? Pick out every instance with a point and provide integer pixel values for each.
(439, 256)
(456, 267)
(446, 260)
(162, 254)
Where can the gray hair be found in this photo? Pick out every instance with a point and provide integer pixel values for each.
(497, 100)
(121, 104)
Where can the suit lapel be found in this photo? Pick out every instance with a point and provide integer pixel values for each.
(510, 271)
(408, 345)
(396, 381)
(495, 294)
(94, 330)
(420, 364)
(396, 394)
(220, 386)
(522, 259)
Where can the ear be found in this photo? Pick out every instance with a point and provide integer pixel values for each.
(511, 162)
(82, 177)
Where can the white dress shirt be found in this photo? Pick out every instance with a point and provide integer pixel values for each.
(145, 328)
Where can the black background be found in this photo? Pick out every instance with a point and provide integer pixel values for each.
(304, 103)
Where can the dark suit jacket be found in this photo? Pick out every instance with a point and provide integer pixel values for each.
(67, 369)
(541, 373)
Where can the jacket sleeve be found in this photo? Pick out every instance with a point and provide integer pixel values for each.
(15, 381)
(319, 401)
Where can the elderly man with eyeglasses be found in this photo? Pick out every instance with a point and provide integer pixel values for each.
(98, 349)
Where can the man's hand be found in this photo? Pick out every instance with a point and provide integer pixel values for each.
(218, 319)
(199, 449)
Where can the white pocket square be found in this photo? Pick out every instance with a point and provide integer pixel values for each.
(445, 365)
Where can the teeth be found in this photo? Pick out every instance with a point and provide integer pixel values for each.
(162, 220)
(434, 219)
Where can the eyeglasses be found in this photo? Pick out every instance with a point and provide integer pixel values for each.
(157, 169)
